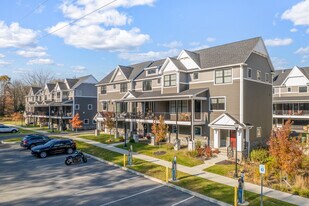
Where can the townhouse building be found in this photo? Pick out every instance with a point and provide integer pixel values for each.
(57, 103)
(291, 97)
(219, 95)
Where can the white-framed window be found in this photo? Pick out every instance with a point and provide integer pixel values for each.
(249, 73)
(198, 131)
(147, 85)
(159, 81)
(266, 77)
(223, 76)
(217, 103)
(89, 106)
(86, 121)
(289, 89)
(258, 75)
(195, 75)
(94, 122)
(302, 89)
(105, 106)
(170, 80)
(150, 72)
(123, 87)
(76, 106)
(103, 89)
(259, 132)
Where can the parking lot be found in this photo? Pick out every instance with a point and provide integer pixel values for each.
(26, 180)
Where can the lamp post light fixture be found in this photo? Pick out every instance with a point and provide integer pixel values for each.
(236, 125)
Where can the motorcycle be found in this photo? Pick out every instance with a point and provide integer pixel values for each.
(77, 157)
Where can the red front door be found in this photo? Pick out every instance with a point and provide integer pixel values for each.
(233, 138)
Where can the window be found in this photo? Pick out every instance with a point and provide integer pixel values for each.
(258, 131)
(151, 72)
(123, 87)
(195, 75)
(223, 76)
(147, 85)
(249, 73)
(258, 75)
(170, 80)
(114, 86)
(89, 106)
(182, 106)
(217, 104)
(159, 81)
(86, 121)
(289, 89)
(76, 106)
(198, 131)
(174, 129)
(105, 106)
(94, 122)
(266, 77)
(103, 89)
(302, 89)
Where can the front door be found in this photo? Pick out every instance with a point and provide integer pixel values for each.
(233, 138)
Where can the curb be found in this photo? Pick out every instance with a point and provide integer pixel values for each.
(195, 194)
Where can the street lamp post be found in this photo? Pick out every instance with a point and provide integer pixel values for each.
(236, 172)
(52, 123)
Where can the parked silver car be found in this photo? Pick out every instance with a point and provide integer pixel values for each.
(7, 129)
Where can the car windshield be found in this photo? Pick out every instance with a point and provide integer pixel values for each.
(50, 143)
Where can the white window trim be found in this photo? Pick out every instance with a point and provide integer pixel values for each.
(267, 79)
(88, 106)
(85, 120)
(200, 130)
(170, 75)
(156, 72)
(215, 97)
(198, 76)
(249, 69)
(104, 102)
(214, 76)
(258, 72)
(77, 107)
(288, 89)
(143, 86)
(302, 92)
(258, 128)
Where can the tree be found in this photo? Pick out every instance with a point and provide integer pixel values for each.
(76, 122)
(17, 116)
(159, 129)
(286, 151)
(4, 93)
(109, 121)
(38, 78)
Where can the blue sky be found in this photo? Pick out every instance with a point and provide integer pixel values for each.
(130, 31)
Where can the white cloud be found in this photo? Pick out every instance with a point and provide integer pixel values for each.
(172, 44)
(2, 55)
(279, 63)
(278, 42)
(15, 36)
(303, 50)
(210, 39)
(3, 63)
(100, 29)
(298, 14)
(293, 30)
(79, 69)
(44, 61)
(151, 55)
(32, 52)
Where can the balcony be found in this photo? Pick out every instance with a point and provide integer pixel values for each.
(300, 114)
(46, 114)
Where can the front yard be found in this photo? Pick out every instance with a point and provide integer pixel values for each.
(21, 131)
(165, 152)
(103, 138)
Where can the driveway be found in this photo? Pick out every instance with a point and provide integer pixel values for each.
(26, 180)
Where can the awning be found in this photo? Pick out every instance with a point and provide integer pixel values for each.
(226, 121)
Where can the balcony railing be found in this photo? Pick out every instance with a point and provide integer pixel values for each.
(291, 112)
(57, 114)
(182, 116)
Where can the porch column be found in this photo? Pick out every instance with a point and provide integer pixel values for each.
(239, 135)
(192, 119)
(248, 139)
(216, 138)
(99, 125)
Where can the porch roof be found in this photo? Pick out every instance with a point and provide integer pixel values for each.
(55, 104)
(226, 121)
(158, 96)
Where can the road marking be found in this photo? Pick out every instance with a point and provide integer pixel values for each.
(110, 184)
(127, 197)
(177, 203)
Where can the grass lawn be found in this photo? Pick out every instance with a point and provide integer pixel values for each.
(206, 187)
(21, 131)
(182, 156)
(226, 169)
(103, 138)
(15, 139)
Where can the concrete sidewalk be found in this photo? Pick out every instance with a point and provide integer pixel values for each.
(197, 171)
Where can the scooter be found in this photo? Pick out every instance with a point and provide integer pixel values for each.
(77, 157)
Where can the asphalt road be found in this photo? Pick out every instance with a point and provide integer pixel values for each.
(27, 181)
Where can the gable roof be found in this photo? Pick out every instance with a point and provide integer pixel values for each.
(50, 86)
(281, 75)
(35, 89)
(71, 82)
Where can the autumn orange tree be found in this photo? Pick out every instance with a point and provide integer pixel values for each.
(109, 121)
(76, 122)
(286, 150)
(159, 129)
(16, 116)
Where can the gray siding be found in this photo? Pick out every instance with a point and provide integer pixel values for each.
(84, 112)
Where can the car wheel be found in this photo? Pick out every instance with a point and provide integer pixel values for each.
(43, 154)
(14, 131)
(70, 151)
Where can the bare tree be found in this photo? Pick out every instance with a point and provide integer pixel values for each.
(4, 93)
(38, 78)
(18, 91)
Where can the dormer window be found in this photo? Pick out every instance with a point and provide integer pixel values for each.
(150, 72)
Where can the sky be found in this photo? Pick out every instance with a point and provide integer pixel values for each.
(71, 38)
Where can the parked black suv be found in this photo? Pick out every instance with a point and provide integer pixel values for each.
(33, 140)
(54, 146)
